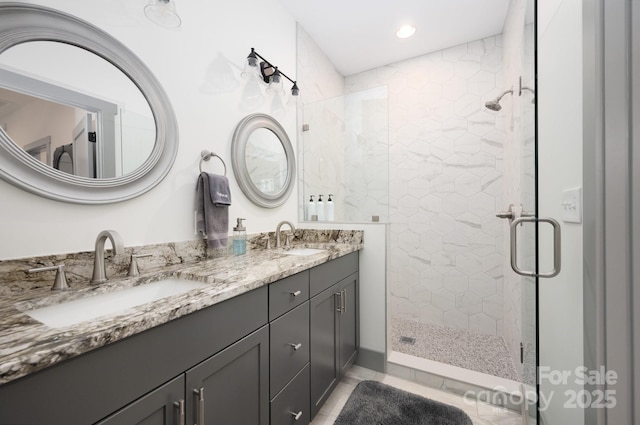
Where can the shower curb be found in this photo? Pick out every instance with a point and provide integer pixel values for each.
(499, 392)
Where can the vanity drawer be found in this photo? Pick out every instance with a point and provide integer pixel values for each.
(288, 347)
(326, 275)
(288, 293)
(293, 400)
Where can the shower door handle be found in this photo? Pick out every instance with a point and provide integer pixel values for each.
(557, 245)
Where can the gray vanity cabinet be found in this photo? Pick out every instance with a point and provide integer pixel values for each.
(163, 406)
(333, 325)
(349, 322)
(324, 345)
(268, 356)
(89, 388)
(231, 387)
(289, 350)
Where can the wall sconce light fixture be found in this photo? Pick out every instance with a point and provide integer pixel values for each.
(163, 13)
(270, 73)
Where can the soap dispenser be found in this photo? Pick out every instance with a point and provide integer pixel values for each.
(311, 209)
(239, 238)
(329, 208)
(320, 208)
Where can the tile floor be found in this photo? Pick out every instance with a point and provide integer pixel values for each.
(480, 413)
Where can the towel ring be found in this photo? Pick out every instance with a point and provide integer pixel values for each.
(206, 155)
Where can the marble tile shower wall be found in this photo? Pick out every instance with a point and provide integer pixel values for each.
(446, 183)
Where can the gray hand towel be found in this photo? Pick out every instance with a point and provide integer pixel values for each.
(212, 214)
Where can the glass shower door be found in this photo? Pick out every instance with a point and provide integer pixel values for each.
(522, 274)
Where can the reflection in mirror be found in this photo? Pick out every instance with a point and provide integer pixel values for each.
(263, 161)
(89, 110)
(266, 161)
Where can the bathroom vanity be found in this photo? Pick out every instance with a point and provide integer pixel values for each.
(262, 345)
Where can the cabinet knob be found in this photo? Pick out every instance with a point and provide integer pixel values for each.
(296, 416)
(297, 346)
(296, 293)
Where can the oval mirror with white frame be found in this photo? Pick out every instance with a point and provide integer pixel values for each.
(83, 119)
(263, 160)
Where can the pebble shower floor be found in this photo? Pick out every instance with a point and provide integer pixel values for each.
(481, 353)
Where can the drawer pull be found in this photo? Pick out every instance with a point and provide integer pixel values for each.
(344, 300)
(297, 346)
(296, 416)
(180, 407)
(200, 394)
(296, 293)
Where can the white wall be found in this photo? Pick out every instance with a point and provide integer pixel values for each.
(560, 167)
(31, 225)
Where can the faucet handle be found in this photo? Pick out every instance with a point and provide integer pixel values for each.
(267, 245)
(133, 266)
(288, 236)
(60, 281)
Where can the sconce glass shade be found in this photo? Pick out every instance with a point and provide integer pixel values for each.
(276, 78)
(295, 91)
(278, 108)
(219, 76)
(252, 97)
(250, 71)
(163, 13)
(252, 59)
(275, 84)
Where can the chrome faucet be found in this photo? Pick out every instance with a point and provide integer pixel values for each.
(99, 273)
(293, 229)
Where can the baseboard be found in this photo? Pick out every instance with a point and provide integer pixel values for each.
(374, 360)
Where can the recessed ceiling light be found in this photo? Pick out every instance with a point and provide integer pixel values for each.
(406, 31)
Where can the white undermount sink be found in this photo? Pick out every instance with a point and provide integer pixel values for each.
(72, 312)
(304, 251)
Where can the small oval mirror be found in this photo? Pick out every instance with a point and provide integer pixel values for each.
(263, 160)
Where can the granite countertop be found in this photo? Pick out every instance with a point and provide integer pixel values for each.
(27, 345)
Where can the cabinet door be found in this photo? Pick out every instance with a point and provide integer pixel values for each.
(232, 387)
(323, 343)
(349, 321)
(160, 407)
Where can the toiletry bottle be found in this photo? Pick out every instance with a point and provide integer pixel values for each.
(239, 238)
(311, 209)
(329, 208)
(320, 208)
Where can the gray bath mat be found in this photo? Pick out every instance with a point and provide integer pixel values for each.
(373, 403)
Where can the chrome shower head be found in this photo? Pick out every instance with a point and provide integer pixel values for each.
(494, 105)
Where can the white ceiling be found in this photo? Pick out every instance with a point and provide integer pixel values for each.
(358, 35)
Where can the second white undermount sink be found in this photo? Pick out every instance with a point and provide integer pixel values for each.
(80, 310)
(304, 251)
